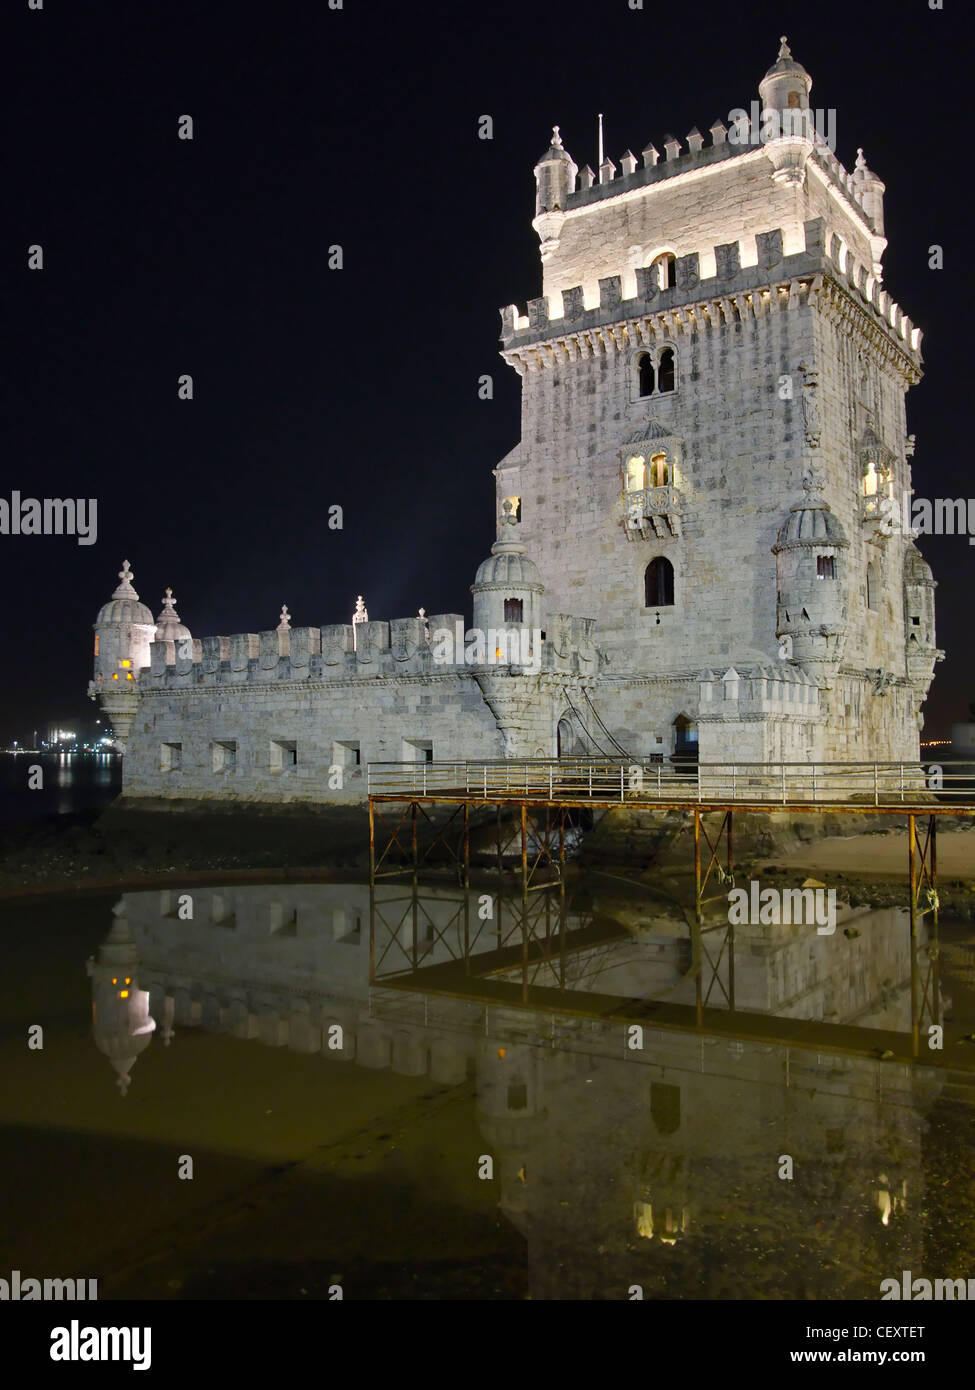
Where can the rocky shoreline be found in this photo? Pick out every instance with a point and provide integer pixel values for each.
(864, 858)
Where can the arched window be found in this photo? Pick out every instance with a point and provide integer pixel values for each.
(659, 583)
(793, 99)
(665, 374)
(871, 480)
(659, 471)
(667, 274)
(645, 374)
(636, 473)
(513, 610)
(871, 586)
(825, 567)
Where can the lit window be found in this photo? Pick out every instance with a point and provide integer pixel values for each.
(659, 471)
(636, 473)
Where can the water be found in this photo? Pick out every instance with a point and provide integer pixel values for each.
(477, 1124)
(72, 784)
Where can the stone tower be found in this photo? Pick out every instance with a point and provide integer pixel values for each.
(713, 414)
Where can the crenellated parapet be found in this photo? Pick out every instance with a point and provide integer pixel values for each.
(782, 692)
(428, 646)
(824, 274)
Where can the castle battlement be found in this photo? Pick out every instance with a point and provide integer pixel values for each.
(769, 282)
(440, 645)
(612, 181)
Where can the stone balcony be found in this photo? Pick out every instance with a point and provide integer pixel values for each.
(652, 511)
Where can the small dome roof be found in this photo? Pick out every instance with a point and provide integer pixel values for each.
(556, 149)
(785, 63)
(810, 522)
(124, 605)
(168, 626)
(511, 568)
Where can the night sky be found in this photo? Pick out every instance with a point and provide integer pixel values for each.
(314, 387)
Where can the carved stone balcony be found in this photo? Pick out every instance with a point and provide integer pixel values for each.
(652, 511)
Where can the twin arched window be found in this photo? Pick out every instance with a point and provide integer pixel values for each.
(656, 372)
(658, 583)
(640, 474)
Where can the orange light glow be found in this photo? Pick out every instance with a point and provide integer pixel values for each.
(125, 665)
(123, 994)
(501, 1051)
(114, 979)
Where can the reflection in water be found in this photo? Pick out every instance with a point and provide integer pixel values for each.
(770, 1151)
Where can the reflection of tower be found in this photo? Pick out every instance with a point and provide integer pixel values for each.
(119, 1008)
(510, 1116)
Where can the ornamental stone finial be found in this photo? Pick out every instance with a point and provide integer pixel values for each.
(361, 614)
(125, 589)
(285, 624)
(784, 51)
(556, 137)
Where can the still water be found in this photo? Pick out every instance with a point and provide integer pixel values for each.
(72, 783)
(541, 1100)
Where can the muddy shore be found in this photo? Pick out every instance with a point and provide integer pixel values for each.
(128, 846)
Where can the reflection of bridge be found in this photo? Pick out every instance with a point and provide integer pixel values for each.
(409, 803)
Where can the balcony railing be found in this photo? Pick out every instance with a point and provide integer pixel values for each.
(605, 781)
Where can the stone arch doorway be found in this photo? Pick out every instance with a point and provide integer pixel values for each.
(685, 739)
(566, 742)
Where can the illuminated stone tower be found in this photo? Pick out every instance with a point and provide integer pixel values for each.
(713, 411)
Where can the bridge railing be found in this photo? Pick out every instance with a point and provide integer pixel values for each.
(621, 780)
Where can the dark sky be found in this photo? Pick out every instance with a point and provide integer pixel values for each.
(359, 387)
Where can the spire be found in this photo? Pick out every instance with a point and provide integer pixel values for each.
(361, 614)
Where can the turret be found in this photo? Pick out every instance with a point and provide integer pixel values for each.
(124, 630)
(786, 85)
(922, 649)
(787, 125)
(507, 593)
(555, 179)
(121, 1021)
(812, 604)
(871, 192)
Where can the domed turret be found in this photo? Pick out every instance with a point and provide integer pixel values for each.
(871, 193)
(555, 179)
(507, 589)
(787, 125)
(787, 84)
(812, 590)
(922, 648)
(121, 1021)
(124, 630)
(168, 626)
